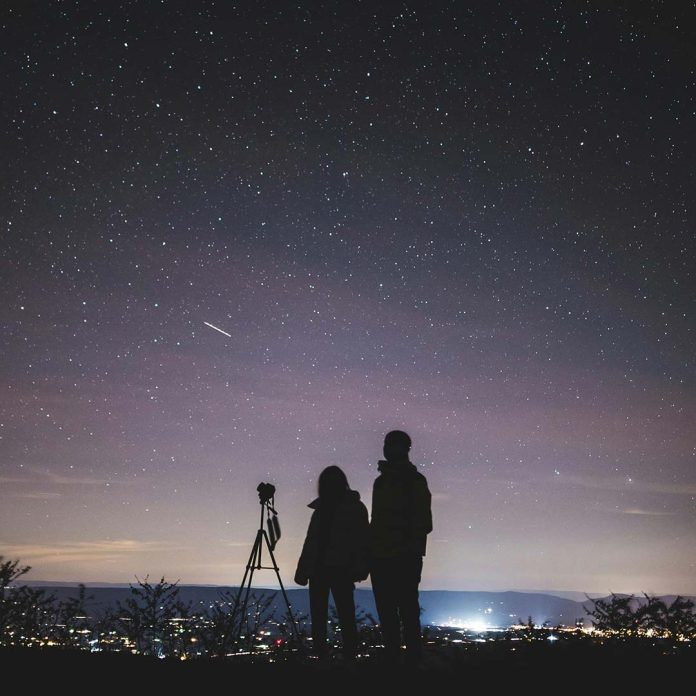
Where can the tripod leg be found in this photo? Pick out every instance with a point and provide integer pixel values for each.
(249, 570)
(245, 587)
(291, 616)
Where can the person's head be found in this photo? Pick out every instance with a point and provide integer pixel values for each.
(332, 483)
(397, 445)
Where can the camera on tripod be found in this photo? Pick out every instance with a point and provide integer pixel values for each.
(266, 493)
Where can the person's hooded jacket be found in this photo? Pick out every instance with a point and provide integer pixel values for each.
(401, 511)
(337, 539)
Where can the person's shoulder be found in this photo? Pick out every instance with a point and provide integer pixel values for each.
(353, 505)
(418, 477)
(379, 479)
(353, 499)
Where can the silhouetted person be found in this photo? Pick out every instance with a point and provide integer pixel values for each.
(334, 556)
(401, 521)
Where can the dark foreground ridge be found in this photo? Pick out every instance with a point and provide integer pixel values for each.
(525, 667)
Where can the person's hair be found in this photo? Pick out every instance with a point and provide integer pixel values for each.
(332, 482)
(398, 439)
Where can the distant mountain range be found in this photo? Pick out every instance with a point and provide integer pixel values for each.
(440, 607)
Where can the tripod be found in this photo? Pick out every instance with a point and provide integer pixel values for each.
(255, 563)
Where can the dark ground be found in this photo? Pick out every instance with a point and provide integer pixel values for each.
(530, 667)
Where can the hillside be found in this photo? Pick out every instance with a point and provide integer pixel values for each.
(495, 609)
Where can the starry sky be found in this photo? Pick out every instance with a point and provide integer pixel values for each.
(469, 220)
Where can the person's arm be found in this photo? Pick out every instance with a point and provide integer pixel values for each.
(362, 534)
(306, 560)
(374, 500)
(422, 511)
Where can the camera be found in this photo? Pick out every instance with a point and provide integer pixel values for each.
(266, 492)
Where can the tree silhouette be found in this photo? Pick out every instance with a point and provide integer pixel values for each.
(680, 620)
(616, 616)
(221, 630)
(216, 629)
(73, 627)
(107, 630)
(9, 609)
(651, 615)
(362, 619)
(527, 627)
(25, 613)
(149, 617)
(289, 640)
(9, 572)
(675, 621)
(260, 612)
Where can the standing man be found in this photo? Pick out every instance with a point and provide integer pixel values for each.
(401, 521)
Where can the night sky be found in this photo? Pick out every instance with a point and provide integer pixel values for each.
(469, 220)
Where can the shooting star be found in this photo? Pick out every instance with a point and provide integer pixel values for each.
(212, 326)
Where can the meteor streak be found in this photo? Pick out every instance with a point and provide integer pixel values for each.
(216, 328)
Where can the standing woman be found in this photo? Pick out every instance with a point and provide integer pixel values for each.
(334, 556)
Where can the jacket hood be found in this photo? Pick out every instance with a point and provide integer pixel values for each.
(350, 497)
(396, 468)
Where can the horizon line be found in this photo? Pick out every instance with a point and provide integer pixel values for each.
(589, 594)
